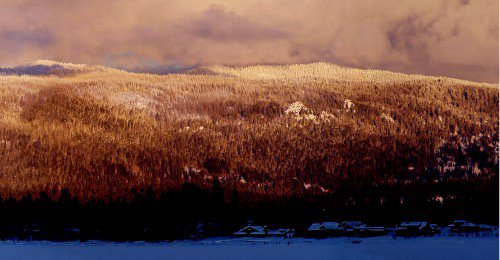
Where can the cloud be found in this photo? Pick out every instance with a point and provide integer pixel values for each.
(34, 37)
(217, 24)
(457, 38)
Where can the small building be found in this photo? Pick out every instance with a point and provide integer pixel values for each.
(370, 231)
(352, 225)
(323, 229)
(416, 228)
(460, 226)
(282, 232)
(252, 231)
(358, 228)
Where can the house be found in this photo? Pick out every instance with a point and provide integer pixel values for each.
(352, 225)
(464, 226)
(252, 231)
(370, 231)
(282, 232)
(416, 228)
(323, 229)
(358, 228)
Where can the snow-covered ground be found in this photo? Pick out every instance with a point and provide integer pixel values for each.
(439, 247)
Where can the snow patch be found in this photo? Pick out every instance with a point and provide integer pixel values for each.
(310, 117)
(296, 108)
(349, 105)
(5, 143)
(131, 99)
(300, 112)
(438, 198)
(326, 116)
(387, 118)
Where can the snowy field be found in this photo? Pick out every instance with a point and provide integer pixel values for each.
(439, 247)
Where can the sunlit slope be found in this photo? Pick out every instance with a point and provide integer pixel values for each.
(320, 70)
(277, 130)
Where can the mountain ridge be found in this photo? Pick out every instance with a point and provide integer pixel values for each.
(253, 72)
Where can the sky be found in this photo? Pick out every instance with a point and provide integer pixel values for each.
(455, 38)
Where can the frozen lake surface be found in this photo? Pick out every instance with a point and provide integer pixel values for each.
(439, 247)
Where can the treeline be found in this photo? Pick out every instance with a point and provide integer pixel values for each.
(193, 212)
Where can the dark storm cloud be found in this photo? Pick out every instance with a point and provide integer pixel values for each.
(40, 38)
(456, 38)
(219, 25)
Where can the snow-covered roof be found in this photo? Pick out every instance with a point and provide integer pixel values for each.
(413, 224)
(324, 226)
(282, 231)
(462, 223)
(252, 230)
(352, 224)
(374, 229)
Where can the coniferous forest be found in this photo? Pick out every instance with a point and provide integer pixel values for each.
(126, 155)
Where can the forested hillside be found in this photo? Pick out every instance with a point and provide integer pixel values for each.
(264, 132)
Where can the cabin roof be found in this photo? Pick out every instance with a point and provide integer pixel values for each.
(462, 223)
(282, 231)
(250, 229)
(352, 224)
(413, 224)
(324, 226)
